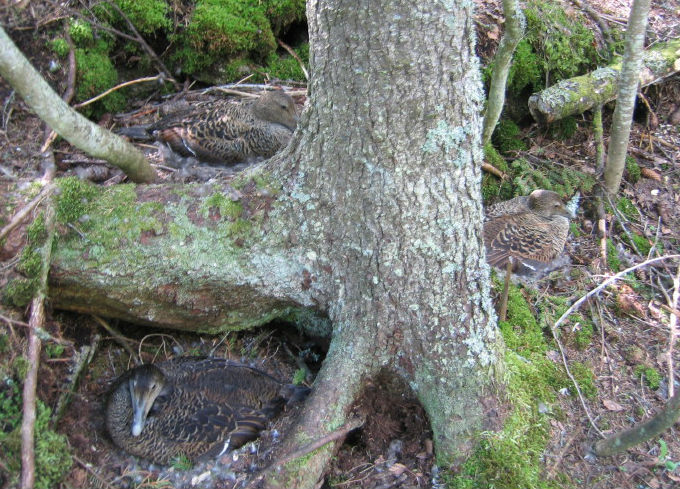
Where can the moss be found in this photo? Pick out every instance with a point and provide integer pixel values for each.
(30, 262)
(639, 243)
(583, 336)
(20, 367)
(627, 208)
(59, 46)
(36, 231)
(53, 350)
(299, 376)
(227, 208)
(18, 292)
(564, 128)
(564, 46)
(223, 29)
(650, 374)
(80, 32)
(282, 13)
(95, 75)
(633, 169)
(148, 16)
(526, 69)
(507, 137)
(74, 199)
(286, 67)
(52, 455)
(613, 261)
(585, 378)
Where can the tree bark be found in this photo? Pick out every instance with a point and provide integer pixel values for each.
(69, 124)
(581, 93)
(376, 224)
(627, 92)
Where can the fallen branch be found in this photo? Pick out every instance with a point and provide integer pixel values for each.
(576, 95)
(37, 320)
(26, 210)
(673, 333)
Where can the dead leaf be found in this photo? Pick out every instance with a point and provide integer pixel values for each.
(654, 483)
(612, 405)
(494, 33)
(553, 356)
(628, 301)
(651, 174)
(397, 469)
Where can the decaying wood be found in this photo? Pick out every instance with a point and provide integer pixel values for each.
(576, 95)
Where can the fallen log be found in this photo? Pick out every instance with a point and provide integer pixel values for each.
(578, 94)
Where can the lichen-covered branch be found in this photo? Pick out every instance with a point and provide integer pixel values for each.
(576, 95)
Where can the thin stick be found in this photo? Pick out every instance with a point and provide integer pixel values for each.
(673, 333)
(506, 288)
(120, 339)
(576, 305)
(294, 55)
(118, 87)
(37, 320)
(21, 215)
(493, 170)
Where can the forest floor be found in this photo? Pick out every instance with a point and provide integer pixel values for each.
(631, 338)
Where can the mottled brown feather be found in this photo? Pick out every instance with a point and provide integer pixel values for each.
(206, 406)
(226, 133)
(531, 230)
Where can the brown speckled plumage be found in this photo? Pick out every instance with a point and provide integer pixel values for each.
(197, 407)
(225, 132)
(532, 230)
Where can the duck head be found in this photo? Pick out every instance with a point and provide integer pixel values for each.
(276, 106)
(548, 203)
(146, 384)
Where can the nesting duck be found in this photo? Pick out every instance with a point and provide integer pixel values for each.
(193, 406)
(531, 231)
(225, 132)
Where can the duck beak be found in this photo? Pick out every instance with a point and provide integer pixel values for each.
(140, 409)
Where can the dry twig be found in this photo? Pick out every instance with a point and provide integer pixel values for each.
(673, 333)
(118, 87)
(294, 55)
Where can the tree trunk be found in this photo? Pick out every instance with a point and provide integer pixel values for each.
(377, 225)
(629, 81)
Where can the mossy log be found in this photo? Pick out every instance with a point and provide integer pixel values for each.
(202, 258)
(576, 95)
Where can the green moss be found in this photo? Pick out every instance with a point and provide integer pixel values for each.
(227, 208)
(282, 13)
(20, 367)
(147, 16)
(36, 231)
(583, 336)
(53, 350)
(299, 376)
(639, 243)
(224, 29)
(633, 169)
(650, 374)
(574, 229)
(564, 128)
(95, 75)
(526, 69)
(18, 292)
(30, 262)
(627, 208)
(562, 42)
(613, 261)
(507, 137)
(74, 199)
(286, 67)
(80, 32)
(52, 454)
(59, 46)
(585, 378)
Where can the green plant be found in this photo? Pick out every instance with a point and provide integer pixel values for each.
(633, 169)
(59, 46)
(80, 32)
(299, 376)
(651, 375)
(664, 459)
(182, 462)
(613, 261)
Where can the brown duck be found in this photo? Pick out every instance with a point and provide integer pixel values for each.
(225, 132)
(193, 406)
(529, 230)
